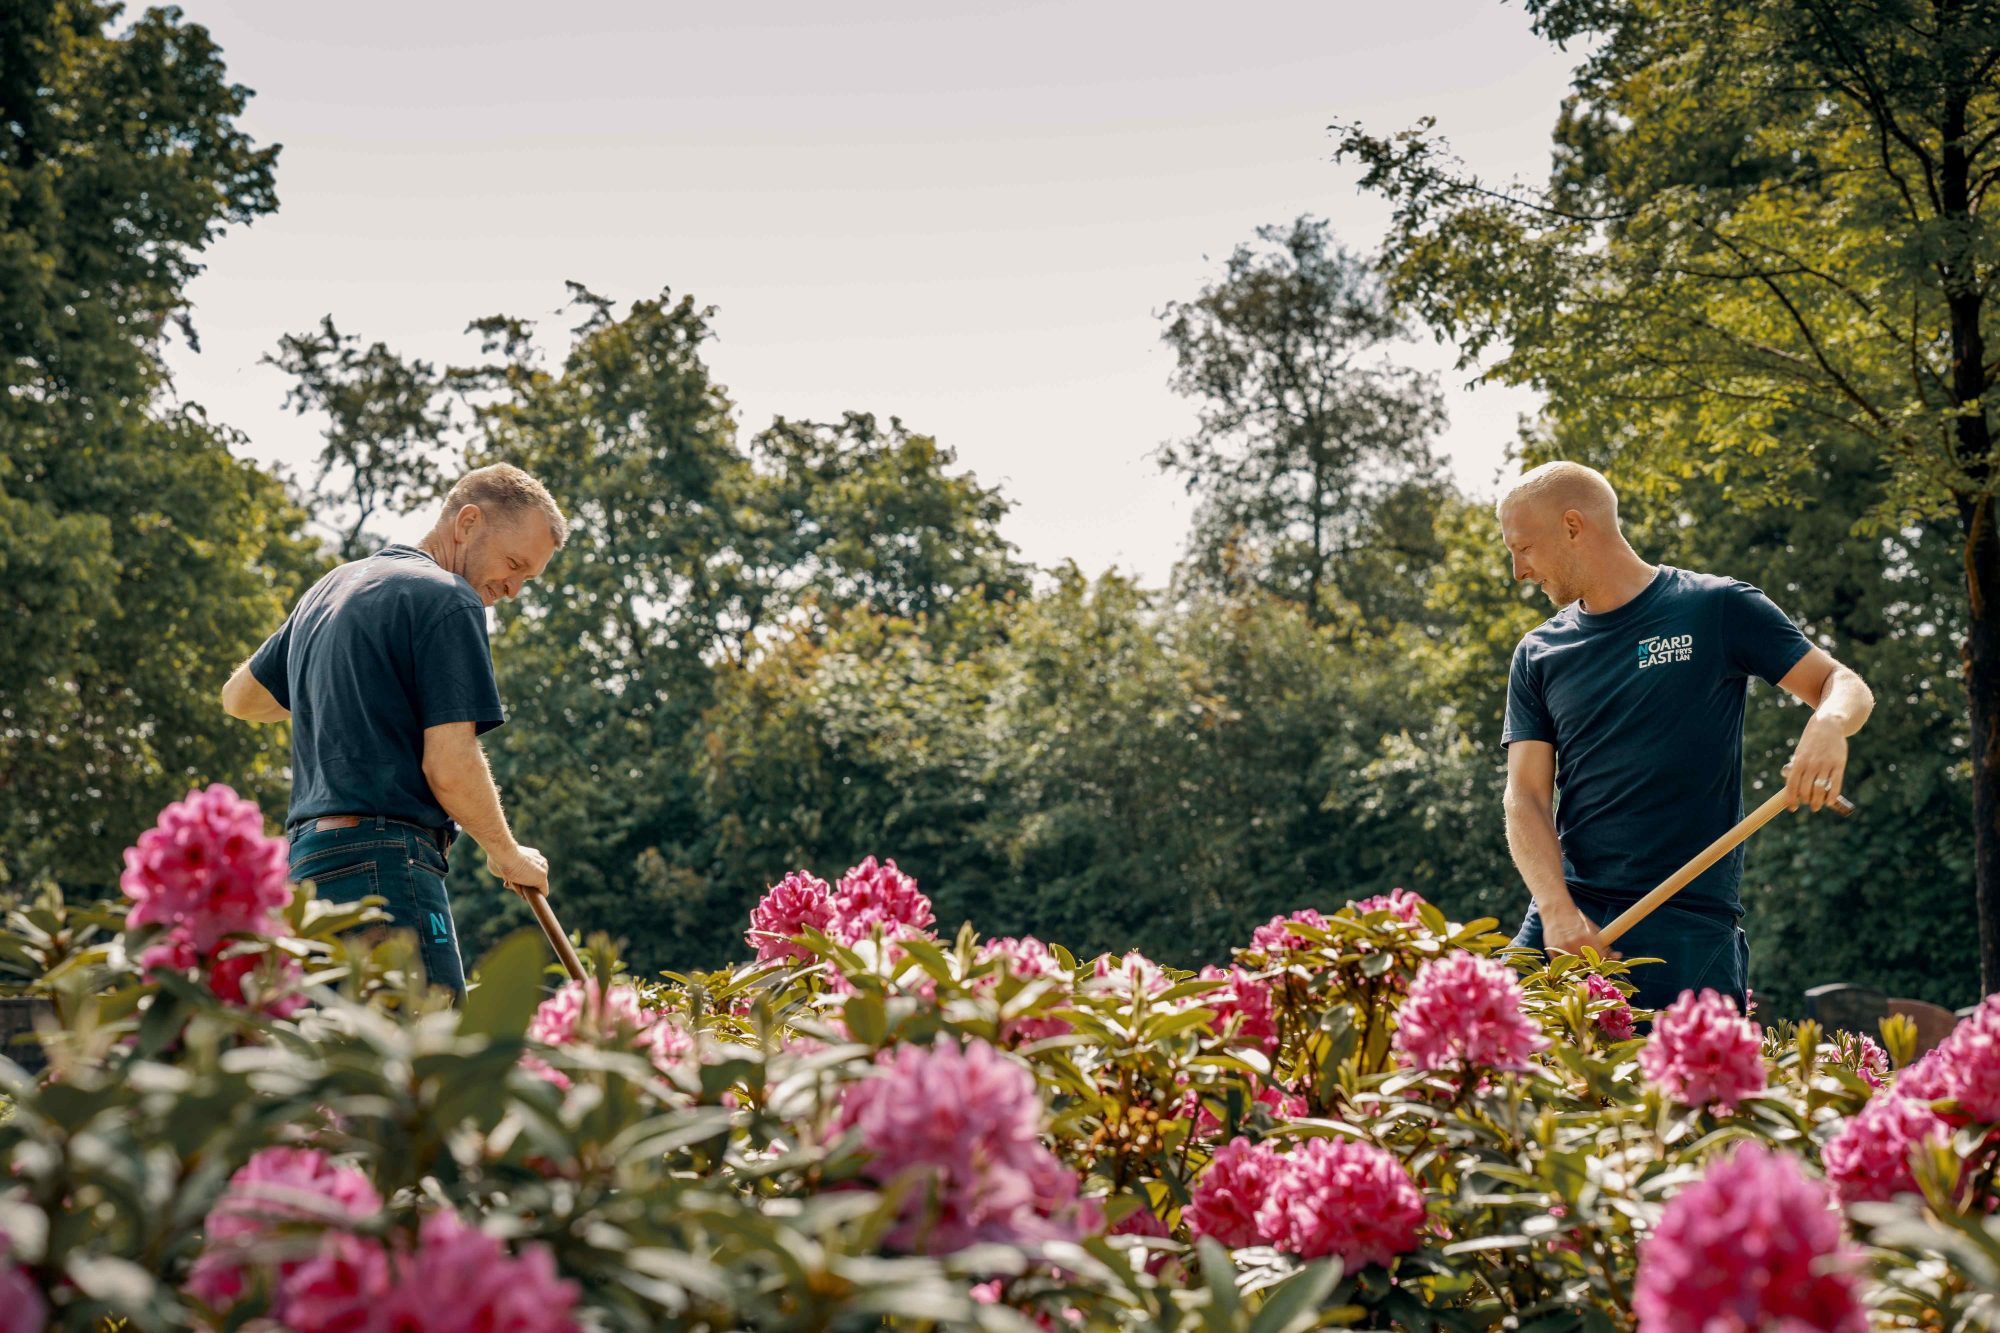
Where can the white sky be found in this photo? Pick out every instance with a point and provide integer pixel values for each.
(965, 215)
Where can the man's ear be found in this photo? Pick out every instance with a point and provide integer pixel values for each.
(1572, 524)
(466, 520)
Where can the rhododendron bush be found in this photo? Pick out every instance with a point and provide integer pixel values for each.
(254, 1116)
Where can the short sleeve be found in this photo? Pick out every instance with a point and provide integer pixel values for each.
(1527, 712)
(454, 670)
(270, 665)
(1760, 639)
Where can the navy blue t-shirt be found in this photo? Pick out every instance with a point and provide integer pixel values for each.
(1644, 705)
(375, 652)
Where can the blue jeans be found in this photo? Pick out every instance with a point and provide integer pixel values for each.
(1699, 948)
(404, 863)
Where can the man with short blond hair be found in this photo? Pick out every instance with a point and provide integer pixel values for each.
(384, 670)
(1630, 699)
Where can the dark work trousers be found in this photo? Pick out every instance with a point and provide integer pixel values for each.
(1701, 949)
(404, 863)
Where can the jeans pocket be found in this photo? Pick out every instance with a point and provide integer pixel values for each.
(339, 883)
(425, 856)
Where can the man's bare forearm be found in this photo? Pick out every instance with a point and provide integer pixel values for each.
(1847, 702)
(1531, 837)
(463, 785)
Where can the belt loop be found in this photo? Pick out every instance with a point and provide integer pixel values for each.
(381, 823)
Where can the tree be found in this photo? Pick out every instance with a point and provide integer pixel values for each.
(698, 579)
(1296, 435)
(386, 419)
(141, 560)
(862, 516)
(1764, 243)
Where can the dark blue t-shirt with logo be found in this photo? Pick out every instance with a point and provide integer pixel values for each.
(375, 652)
(1644, 705)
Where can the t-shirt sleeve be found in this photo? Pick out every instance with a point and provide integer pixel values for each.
(1762, 640)
(1527, 712)
(270, 665)
(455, 673)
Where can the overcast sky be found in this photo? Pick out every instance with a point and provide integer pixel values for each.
(965, 215)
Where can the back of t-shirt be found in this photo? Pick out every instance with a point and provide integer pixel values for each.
(375, 652)
(1644, 705)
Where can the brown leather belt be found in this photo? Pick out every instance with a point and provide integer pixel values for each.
(439, 837)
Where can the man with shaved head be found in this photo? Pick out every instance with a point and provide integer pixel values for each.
(1630, 701)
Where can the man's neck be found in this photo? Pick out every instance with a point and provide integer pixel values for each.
(433, 546)
(1631, 577)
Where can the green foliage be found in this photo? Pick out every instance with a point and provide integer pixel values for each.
(706, 1184)
(1297, 437)
(693, 562)
(1762, 261)
(385, 417)
(140, 561)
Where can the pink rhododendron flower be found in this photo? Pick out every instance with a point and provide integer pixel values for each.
(1702, 1052)
(1615, 1023)
(966, 1123)
(338, 1289)
(461, 1280)
(275, 1187)
(1337, 1196)
(207, 870)
(1406, 905)
(1141, 1221)
(1464, 1012)
(1026, 958)
(1132, 974)
(1869, 1159)
(1970, 1062)
(793, 903)
(1277, 935)
(577, 1014)
(872, 896)
(1244, 998)
(1228, 1199)
(1751, 1245)
(1866, 1057)
(1928, 1079)
(22, 1309)
(276, 975)
(669, 1044)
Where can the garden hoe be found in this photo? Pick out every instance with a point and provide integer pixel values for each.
(558, 937)
(1708, 856)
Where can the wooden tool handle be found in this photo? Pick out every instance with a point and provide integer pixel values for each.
(558, 937)
(1708, 856)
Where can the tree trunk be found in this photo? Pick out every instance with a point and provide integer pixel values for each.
(1963, 299)
(1982, 680)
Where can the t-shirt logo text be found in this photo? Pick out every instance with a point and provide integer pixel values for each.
(1664, 648)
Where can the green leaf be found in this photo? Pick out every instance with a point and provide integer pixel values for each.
(507, 988)
(1218, 1273)
(1293, 1304)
